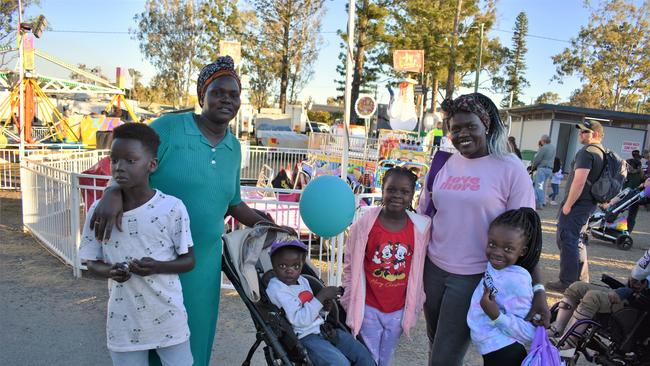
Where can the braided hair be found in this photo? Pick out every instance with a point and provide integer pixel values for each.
(526, 220)
(497, 133)
(403, 172)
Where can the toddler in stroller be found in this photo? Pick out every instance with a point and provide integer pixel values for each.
(605, 223)
(290, 319)
(613, 323)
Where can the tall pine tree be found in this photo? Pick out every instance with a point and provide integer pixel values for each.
(512, 81)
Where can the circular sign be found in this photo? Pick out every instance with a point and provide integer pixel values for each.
(365, 106)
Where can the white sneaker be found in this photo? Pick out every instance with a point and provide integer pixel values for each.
(553, 203)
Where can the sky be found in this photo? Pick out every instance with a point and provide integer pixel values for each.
(72, 23)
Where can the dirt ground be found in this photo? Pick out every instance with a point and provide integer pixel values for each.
(50, 318)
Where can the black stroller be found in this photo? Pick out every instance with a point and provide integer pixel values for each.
(608, 226)
(620, 338)
(247, 264)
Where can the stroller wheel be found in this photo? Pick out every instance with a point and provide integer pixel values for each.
(624, 242)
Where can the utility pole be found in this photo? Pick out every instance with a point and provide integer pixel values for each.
(451, 69)
(348, 90)
(478, 60)
(21, 82)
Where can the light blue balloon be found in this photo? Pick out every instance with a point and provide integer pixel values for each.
(327, 206)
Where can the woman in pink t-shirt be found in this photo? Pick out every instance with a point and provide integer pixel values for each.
(478, 183)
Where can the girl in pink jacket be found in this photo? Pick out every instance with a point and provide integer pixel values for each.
(383, 267)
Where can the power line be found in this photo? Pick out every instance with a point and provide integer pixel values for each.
(85, 31)
(123, 32)
(321, 32)
(534, 36)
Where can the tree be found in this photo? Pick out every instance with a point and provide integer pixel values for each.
(220, 20)
(427, 25)
(513, 80)
(136, 84)
(319, 116)
(169, 33)
(369, 36)
(160, 90)
(333, 101)
(611, 56)
(8, 26)
(291, 28)
(548, 98)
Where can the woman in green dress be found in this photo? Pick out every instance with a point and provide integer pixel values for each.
(199, 162)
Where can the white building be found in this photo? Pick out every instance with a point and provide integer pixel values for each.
(624, 131)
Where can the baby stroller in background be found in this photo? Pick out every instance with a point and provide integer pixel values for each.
(606, 225)
(620, 338)
(247, 264)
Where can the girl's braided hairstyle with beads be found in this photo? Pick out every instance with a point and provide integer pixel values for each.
(526, 220)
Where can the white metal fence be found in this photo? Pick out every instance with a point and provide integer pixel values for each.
(56, 197)
(10, 160)
(52, 208)
(255, 157)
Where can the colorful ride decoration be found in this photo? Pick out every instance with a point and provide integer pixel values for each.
(39, 107)
(35, 101)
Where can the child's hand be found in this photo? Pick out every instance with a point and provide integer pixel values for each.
(488, 304)
(613, 297)
(144, 267)
(119, 272)
(328, 293)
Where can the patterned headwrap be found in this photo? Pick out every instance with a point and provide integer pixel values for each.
(224, 65)
(469, 103)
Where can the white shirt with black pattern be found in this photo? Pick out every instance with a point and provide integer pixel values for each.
(144, 312)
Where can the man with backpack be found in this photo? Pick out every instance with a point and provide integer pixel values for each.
(579, 203)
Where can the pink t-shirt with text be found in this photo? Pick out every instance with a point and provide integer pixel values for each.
(468, 195)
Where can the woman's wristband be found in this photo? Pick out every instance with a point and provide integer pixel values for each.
(538, 287)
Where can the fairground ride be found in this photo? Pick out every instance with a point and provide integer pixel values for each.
(37, 104)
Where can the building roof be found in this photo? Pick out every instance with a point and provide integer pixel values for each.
(586, 112)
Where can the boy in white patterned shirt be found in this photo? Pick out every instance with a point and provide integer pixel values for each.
(142, 262)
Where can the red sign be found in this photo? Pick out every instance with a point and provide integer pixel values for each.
(408, 60)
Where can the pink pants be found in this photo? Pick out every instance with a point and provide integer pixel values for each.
(381, 333)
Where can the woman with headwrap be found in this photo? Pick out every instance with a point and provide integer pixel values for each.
(477, 183)
(199, 161)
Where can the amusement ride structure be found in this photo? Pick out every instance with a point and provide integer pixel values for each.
(18, 124)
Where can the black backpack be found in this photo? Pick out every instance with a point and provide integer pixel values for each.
(612, 177)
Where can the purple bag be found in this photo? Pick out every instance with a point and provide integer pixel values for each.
(542, 352)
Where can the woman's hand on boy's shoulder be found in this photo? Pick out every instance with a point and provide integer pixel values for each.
(108, 213)
(144, 267)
